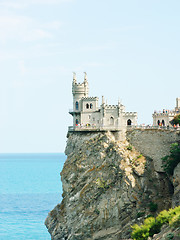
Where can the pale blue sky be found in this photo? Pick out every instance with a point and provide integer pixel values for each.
(129, 49)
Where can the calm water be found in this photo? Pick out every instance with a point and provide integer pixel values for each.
(30, 187)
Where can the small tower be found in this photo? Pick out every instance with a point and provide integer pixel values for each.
(177, 104)
(79, 90)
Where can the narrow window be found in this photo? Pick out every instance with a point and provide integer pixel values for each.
(111, 121)
(77, 121)
(91, 106)
(163, 122)
(158, 122)
(87, 106)
(129, 122)
(77, 105)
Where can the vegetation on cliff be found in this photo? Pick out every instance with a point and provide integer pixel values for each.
(176, 119)
(172, 160)
(153, 225)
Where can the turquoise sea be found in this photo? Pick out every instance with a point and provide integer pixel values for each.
(30, 187)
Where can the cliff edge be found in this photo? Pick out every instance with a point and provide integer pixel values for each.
(107, 187)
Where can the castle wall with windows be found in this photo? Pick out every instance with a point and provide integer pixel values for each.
(164, 118)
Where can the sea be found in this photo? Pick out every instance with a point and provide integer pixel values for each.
(30, 187)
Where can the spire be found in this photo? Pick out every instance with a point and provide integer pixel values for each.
(85, 77)
(74, 77)
(103, 100)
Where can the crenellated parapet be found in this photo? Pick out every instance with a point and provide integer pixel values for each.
(130, 113)
(90, 98)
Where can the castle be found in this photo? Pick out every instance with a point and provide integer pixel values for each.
(166, 116)
(87, 115)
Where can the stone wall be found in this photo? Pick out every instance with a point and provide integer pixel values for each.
(153, 143)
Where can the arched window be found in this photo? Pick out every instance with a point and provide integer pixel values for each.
(91, 106)
(129, 122)
(111, 121)
(87, 106)
(158, 122)
(77, 121)
(77, 105)
(163, 122)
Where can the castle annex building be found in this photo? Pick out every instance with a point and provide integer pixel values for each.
(163, 118)
(87, 115)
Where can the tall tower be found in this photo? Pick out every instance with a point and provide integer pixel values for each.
(177, 104)
(79, 90)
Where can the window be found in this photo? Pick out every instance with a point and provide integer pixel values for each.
(158, 122)
(163, 122)
(77, 121)
(91, 106)
(129, 122)
(111, 121)
(89, 116)
(77, 105)
(87, 106)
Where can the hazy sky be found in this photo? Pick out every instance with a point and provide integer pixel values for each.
(129, 49)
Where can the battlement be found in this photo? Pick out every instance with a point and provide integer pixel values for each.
(78, 84)
(111, 106)
(90, 98)
(130, 113)
(164, 114)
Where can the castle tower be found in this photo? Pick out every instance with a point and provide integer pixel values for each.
(79, 90)
(177, 104)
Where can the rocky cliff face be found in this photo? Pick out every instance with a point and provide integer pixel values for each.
(107, 187)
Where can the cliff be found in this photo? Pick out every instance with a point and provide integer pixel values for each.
(107, 187)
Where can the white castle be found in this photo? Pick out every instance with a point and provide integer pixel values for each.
(87, 115)
(166, 116)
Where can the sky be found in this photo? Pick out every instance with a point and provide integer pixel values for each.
(129, 49)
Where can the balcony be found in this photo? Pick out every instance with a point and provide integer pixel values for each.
(71, 111)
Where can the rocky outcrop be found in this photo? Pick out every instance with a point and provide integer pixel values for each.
(176, 184)
(167, 233)
(107, 187)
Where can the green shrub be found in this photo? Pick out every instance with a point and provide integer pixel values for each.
(175, 221)
(153, 225)
(140, 233)
(140, 214)
(153, 207)
(169, 236)
(176, 119)
(139, 156)
(172, 160)
(163, 217)
(129, 147)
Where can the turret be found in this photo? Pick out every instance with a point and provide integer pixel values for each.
(177, 104)
(79, 90)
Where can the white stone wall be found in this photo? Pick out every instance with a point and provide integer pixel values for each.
(161, 117)
(111, 113)
(93, 101)
(131, 116)
(92, 118)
